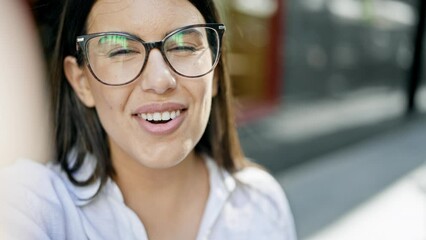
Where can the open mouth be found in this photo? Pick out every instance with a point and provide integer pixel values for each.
(160, 117)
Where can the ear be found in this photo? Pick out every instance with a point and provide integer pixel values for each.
(78, 80)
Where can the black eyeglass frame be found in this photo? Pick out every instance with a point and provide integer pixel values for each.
(82, 41)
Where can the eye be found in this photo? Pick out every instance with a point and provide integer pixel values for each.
(182, 48)
(121, 52)
(186, 42)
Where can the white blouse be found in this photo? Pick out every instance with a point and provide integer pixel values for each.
(39, 202)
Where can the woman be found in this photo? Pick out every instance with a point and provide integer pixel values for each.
(145, 139)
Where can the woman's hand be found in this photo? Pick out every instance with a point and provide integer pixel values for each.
(25, 122)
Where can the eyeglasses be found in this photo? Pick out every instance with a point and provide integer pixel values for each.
(117, 58)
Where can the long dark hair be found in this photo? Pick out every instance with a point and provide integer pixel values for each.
(78, 129)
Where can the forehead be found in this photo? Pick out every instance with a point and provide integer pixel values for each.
(142, 17)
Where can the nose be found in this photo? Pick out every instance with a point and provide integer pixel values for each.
(157, 76)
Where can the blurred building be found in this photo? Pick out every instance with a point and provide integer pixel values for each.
(255, 40)
(316, 75)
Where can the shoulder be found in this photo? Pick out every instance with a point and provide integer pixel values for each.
(31, 176)
(266, 197)
(262, 184)
(27, 175)
(260, 181)
(32, 200)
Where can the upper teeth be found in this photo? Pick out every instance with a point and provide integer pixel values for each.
(160, 116)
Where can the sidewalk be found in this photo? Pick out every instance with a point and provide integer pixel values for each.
(374, 190)
(300, 131)
(399, 212)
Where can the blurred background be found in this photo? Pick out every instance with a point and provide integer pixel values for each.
(331, 100)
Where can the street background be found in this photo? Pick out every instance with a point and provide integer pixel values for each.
(331, 122)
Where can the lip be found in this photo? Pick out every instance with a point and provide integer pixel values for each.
(161, 128)
(160, 107)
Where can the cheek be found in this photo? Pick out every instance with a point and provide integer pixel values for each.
(207, 102)
(205, 99)
(109, 103)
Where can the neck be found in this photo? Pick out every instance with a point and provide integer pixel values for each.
(161, 197)
(133, 176)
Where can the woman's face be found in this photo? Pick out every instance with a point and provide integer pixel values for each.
(158, 91)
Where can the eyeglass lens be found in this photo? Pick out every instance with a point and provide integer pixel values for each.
(117, 59)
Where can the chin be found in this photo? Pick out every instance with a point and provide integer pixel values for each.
(161, 162)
